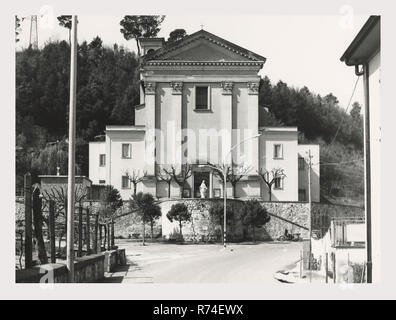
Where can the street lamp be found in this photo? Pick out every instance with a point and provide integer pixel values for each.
(224, 173)
(310, 213)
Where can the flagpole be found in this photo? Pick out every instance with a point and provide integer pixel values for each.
(71, 162)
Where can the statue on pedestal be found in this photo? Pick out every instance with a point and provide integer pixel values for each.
(203, 189)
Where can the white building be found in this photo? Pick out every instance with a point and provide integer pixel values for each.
(199, 99)
(364, 53)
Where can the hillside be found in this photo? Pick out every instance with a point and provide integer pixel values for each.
(108, 87)
(321, 120)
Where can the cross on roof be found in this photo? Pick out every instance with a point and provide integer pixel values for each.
(202, 26)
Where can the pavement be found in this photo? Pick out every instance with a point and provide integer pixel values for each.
(204, 263)
(292, 274)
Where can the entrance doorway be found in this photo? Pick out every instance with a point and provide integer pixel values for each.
(198, 178)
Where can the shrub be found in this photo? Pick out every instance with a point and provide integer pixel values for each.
(253, 214)
(179, 212)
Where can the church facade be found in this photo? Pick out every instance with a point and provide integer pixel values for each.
(198, 115)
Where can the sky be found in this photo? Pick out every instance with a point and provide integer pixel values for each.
(301, 50)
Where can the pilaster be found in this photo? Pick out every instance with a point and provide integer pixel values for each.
(150, 96)
(177, 101)
(253, 120)
(227, 92)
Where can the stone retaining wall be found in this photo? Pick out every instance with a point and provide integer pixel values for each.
(284, 215)
(114, 258)
(130, 226)
(293, 216)
(86, 269)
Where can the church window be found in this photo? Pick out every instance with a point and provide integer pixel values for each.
(202, 97)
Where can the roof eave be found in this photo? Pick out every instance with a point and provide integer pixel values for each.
(347, 57)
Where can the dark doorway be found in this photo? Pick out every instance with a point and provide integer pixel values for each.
(198, 178)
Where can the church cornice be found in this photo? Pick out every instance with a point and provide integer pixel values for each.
(161, 63)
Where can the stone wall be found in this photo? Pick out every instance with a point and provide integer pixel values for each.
(293, 216)
(284, 215)
(114, 258)
(86, 269)
(130, 226)
(89, 268)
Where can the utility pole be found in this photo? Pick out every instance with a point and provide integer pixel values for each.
(71, 167)
(310, 214)
(225, 168)
(224, 172)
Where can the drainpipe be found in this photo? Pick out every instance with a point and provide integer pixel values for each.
(365, 73)
(359, 72)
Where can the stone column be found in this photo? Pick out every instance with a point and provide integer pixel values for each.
(150, 94)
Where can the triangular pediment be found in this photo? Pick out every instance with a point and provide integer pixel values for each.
(203, 46)
(203, 50)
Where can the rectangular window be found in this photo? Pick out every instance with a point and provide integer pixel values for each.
(102, 181)
(278, 151)
(102, 160)
(302, 196)
(278, 183)
(301, 163)
(202, 97)
(125, 182)
(126, 150)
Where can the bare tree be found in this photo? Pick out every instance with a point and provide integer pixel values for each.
(111, 202)
(17, 28)
(181, 176)
(270, 177)
(233, 173)
(58, 194)
(38, 223)
(135, 178)
(163, 174)
(20, 230)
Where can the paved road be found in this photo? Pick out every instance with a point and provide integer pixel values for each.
(172, 263)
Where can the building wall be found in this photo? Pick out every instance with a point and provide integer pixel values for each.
(140, 114)
(117, 166)
(216, 119)
(248, 188)
(82, 184)
(375, 151)
(303, 150)
(287, 137)
(169, 111)
(97, 172)
(168, 116)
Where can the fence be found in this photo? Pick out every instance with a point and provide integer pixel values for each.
(49, 219)
(344, 235)
(333, 268)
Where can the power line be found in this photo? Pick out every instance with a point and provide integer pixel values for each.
(337, 163)
(346, 110)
